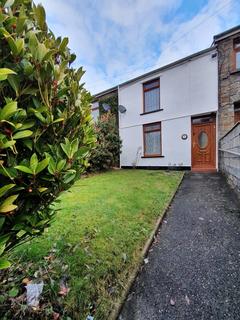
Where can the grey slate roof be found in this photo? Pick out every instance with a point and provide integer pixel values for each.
(226, 33)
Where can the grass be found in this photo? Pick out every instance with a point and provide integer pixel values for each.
(97, 237)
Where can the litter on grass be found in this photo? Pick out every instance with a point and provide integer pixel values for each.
(34, 291)
(64, 289)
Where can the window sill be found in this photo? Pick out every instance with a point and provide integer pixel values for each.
(153, 156)
(235, 71)
(142, 114)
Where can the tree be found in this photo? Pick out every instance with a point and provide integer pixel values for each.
(106, 153)
(46, 132)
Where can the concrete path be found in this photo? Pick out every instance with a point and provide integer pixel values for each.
(194, 265)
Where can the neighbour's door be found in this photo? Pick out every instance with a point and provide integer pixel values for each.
(204, 144)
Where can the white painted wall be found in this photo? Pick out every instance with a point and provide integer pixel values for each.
(174, 149)
(185, 90)
(95, 112)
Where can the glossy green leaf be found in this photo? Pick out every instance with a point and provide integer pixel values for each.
(10, 199)
(2, 78)
(74, 147)
(33, 43)
(12, 45)
(14, 83)
(33, 162)
(42, 189)
(41, 52)
(8, 172)
(8, 110)
(27, 67)
(42, 165)
(66, 147)
(63, 44)
(2, 220)
(40, 117)
(24, 169)
(27, 125)
(29, 91)
(58, 120)
(61, 164)
(28, 144)
(21, 233)
(6, 72)
(20, 45)
(52, 168)
(22, 134)
(4, 264)
(40, 16)
(8, 205)
(5, 189)
(7, 144)
(69, 176)
(2, 248)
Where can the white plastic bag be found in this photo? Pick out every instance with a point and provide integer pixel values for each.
(34, 291)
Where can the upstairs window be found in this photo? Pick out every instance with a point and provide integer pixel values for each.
(152, 139)
(236, 112)
(236, 48)
(151, 96)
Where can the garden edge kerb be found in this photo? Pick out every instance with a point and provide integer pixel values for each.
(119, 305)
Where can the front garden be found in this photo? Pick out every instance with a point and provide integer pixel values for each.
(63, 255)
(85, 258)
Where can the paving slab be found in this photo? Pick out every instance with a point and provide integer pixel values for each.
(193, 269)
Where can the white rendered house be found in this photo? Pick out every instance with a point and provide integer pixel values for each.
(170, 115)
(173, 117)
(170, 118)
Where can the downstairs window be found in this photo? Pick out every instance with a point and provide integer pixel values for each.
(152, 139)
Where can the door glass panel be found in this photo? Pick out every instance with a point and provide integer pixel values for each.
(202, 140)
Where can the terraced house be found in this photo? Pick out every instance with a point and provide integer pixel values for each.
(174, 116)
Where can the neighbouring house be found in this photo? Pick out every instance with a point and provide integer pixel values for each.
(104, 96)
(228, 45)
(174, 116)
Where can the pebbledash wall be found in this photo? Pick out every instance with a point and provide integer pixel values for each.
(187, 88)
(229, 148)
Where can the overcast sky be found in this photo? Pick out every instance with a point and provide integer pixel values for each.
(116, 40)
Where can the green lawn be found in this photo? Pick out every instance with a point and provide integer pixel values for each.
(97, 238)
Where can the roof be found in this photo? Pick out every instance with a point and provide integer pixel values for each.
(105, 92)
(151, 73)
(170, 65)
(226, 33)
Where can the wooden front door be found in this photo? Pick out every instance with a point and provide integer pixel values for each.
(204, 144)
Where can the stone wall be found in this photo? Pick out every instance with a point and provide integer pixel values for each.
(229, 84)
(229, 157)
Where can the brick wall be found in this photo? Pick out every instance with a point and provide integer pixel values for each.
(229, 84)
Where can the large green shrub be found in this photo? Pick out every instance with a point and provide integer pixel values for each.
(108, 146)
(45, 122)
